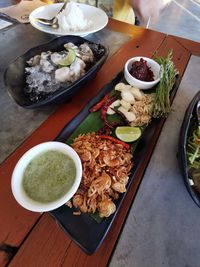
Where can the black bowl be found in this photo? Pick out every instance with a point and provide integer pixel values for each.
(15, 76)
(190, 123)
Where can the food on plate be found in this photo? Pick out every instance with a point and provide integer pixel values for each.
(69, 59)
(103, 112)
(134, 104)
(193, 158)
(50, 71)
(128, 133)
(162, 106)
(141, 71)
(100, 103)
(106, 166)
(107, 161)
(104, 106)
(49, 176)
(72, 18)
(114, 140)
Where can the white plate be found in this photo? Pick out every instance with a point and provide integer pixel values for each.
(97, 16)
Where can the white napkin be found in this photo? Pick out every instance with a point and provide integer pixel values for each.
(22, 10)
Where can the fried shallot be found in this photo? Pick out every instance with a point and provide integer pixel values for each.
(106, 167)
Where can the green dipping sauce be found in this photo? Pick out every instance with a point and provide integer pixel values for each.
(49, 176)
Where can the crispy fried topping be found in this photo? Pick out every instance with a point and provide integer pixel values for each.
(106, 166)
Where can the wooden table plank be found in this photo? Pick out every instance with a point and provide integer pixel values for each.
(135, 31)
(71, 254)
(191, 46)
(54, 240)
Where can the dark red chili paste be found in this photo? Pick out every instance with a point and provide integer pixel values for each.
(141, 71)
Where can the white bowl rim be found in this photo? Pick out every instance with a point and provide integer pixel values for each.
(17, 175)
(148, 60)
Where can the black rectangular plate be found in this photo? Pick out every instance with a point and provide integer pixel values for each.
(83, 229)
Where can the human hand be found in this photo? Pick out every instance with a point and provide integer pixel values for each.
(145, 9)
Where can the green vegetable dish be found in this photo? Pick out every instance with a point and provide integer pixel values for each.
(193, 157)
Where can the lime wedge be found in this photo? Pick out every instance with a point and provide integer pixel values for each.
(69, 59)
(128, 133)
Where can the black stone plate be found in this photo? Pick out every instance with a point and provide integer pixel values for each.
(84, 229)
(188, 125)
(15, 77)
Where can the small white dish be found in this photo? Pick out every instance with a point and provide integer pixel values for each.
(154, 66)
(17, 177)
(97, 16)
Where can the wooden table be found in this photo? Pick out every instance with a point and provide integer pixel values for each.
(33, 239)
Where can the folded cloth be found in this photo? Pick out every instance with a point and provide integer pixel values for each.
(22, 10)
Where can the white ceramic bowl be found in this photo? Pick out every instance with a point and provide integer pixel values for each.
(17, 177)
(155, 67)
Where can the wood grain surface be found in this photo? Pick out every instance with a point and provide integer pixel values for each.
(191, 46)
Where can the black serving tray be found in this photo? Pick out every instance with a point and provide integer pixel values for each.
(188, 125)
(15, 77)
(86, 231)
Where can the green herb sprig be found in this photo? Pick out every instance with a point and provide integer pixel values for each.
(162, 106)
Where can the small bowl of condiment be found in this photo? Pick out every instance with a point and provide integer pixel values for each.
(46, 176)
(142, 72)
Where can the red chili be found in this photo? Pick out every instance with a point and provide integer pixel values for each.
(103, 112)
(100, 103)
(114, 140)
